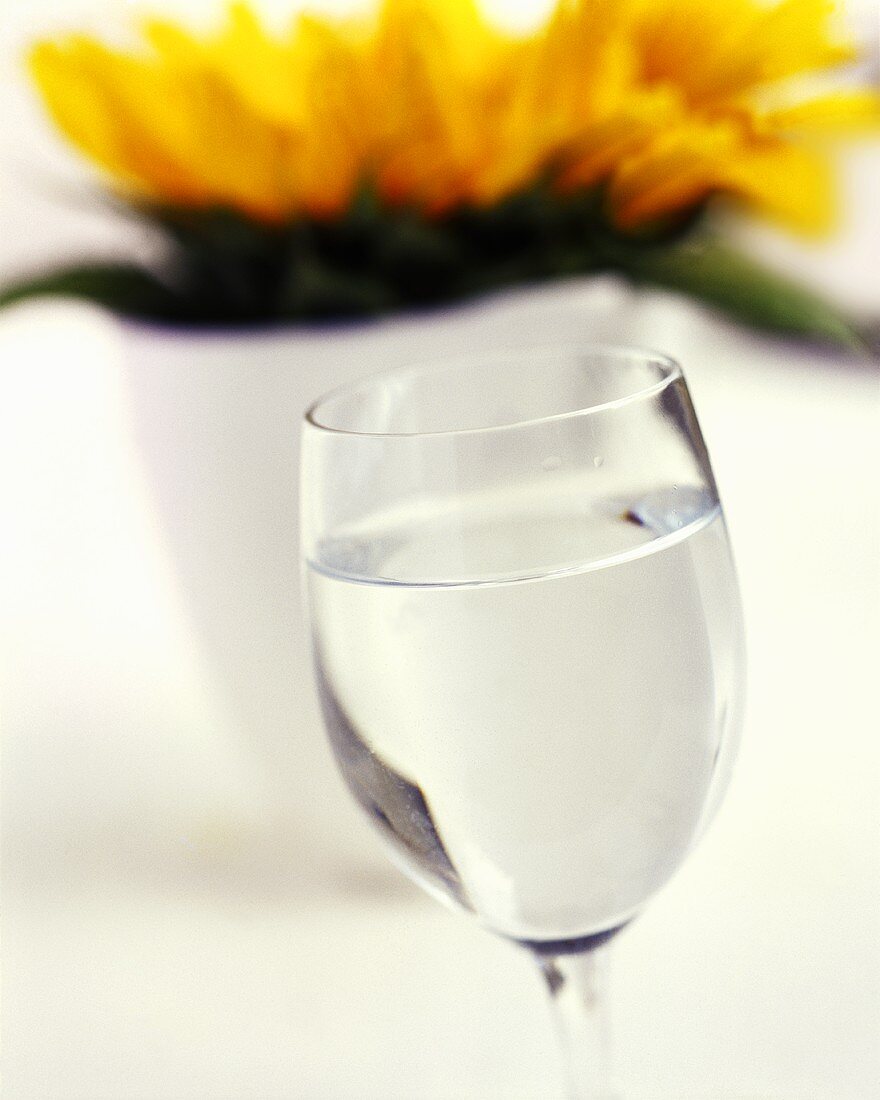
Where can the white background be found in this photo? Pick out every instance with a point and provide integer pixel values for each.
(167, 931)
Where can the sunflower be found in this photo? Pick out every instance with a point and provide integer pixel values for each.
(625, 116)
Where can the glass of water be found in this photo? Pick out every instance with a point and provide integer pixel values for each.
(527, 641)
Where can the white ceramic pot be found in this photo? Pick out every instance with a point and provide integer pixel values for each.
(216, 420)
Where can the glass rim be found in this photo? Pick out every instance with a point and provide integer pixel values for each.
(672, 372)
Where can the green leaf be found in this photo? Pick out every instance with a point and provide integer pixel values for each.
(224, 270)
(123, 288)
(743, 289)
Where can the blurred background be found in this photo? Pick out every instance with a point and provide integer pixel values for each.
(191, 907)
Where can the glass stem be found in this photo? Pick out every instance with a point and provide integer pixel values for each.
(577, 986)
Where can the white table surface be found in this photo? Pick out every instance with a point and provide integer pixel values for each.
(148, 957)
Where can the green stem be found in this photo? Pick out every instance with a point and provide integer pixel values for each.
(743, 289)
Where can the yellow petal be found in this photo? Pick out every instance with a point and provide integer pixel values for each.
(836, 113)
(601, 147)
(117, 111)
(172, 42)
(75, 104)
(435, 100)
(719, 49)
(791, 185)
(669, 100)
(676, 171)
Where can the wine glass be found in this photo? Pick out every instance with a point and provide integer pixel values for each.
(527, 641)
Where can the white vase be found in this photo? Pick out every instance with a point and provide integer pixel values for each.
(216, 420)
